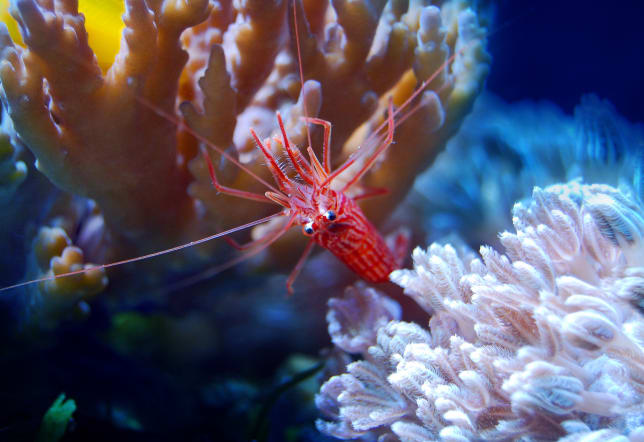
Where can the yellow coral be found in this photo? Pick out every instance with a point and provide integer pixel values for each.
(102, 21)
(50, 242)
(87, 283)
(104, 26)
(9, 21)
(55, 254)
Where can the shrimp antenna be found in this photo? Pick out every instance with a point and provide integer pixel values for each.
(149, 255)
(299, 65)
(374, 135)
(180, 123)
(257, 247)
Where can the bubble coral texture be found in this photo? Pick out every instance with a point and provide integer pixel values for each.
(545, 341)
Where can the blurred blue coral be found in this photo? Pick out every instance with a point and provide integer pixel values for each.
(503, 150)
(13, 170)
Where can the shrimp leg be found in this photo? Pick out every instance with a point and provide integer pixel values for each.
(385, 144)
(298, 266)
(326, 145)
(271, 238)
(229, 190)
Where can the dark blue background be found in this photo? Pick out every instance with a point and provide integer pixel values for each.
(560, 50)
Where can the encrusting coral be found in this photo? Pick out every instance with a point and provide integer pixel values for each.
(543, 342)
(224, 67)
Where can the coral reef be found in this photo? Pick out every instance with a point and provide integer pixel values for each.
(81, 124)
(163, 356)
(116, 137)
(509, 148)
(545, 341)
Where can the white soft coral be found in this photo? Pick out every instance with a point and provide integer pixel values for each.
(544, 341)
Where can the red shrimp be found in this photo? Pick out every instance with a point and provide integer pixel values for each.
(330, 218)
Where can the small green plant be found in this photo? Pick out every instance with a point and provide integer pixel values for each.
(54, 422)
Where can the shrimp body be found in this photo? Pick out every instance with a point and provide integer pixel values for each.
(339, 226)
(329, 217)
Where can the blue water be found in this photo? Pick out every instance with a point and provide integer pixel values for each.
(560, 50)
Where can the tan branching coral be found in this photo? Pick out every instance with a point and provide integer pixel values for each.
(54, 251)
(361, 53)
(54, 254)
(543, 342)
(225, 67)
(90, 133)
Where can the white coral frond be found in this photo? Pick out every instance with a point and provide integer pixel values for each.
(544, 342)
(355, 319)
(410, 432)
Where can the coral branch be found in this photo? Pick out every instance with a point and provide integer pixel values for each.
(81, 127)
(225, 67)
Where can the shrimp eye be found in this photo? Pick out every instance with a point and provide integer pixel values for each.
(330, 215)
(308, 228)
